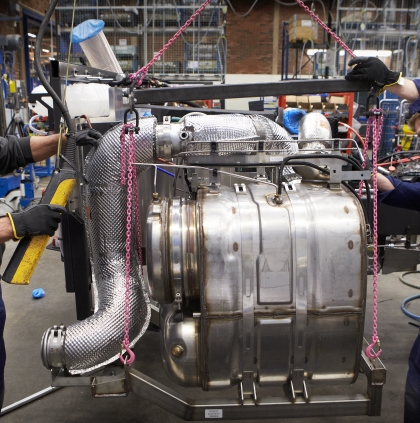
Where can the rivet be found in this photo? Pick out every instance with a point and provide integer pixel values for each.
(177, 350)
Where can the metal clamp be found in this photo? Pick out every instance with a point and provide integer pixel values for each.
(176, 250)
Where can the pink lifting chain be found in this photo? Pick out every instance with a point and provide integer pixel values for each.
(131, 182)
(144, 69)
(376, 120)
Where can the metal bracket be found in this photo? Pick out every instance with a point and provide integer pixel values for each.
(240, 189)
(289, 186)
(247, 387)
(214, 179)
(112, 385)
(375, 373)
(302, 392)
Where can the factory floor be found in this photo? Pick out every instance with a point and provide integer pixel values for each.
(27, 319)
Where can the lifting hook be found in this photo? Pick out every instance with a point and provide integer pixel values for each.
(369, 353)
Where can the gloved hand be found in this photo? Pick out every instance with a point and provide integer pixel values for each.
(36, 220)
(86, 137)
(372, 70)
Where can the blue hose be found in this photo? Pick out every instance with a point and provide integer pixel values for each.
(165, 171)
(405, 311)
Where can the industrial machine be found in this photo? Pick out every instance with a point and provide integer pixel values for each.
(235, 251)
(250, 274)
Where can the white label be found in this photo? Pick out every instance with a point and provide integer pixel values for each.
(193, 64)
(122, 41)
(213, 414)
(306, 23)
(155, 53)
(276, 159)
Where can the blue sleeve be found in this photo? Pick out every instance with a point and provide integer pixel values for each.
(417, 84)
(406, 195)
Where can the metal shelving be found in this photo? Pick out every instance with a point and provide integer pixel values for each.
(389, 29)
(138, 29)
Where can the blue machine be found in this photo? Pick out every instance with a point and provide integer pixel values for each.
(17, 191)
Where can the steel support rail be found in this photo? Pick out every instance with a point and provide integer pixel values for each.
(117, 381)
(204, 92)
(231, 409)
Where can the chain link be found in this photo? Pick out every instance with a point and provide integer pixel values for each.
(143, 71)
(365, 158)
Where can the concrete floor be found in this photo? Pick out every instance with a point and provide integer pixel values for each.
(27, 319)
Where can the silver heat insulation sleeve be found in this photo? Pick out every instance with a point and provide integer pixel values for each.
(96, 341)
(238, 128)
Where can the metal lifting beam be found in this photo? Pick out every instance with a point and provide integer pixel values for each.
(204, 92)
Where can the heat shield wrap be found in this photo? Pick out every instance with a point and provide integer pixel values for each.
(96, 341)
(237, 129)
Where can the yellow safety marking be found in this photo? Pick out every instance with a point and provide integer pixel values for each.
(38, 243)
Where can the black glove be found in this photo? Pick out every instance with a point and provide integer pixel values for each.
(86, 137)
(40, 219)
(372, 70)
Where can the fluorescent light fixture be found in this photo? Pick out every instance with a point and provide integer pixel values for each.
(373, 53)
(31, 35)
(312, 51)
(384, 53)
(45, 50)
(370, 53)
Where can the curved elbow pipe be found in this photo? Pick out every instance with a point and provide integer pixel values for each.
(96, 341)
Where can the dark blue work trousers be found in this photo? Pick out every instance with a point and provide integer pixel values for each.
(2, 348)
(412, 387)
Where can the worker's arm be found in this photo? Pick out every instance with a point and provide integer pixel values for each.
(407, 91)
(18, 152)
(45, 146)
(384, 184)
(397, 193)
(36, 220)
(373, 70)
(6, 230)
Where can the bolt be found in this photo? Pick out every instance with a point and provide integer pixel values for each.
(177, 351)
(155, 196)
(278, 199)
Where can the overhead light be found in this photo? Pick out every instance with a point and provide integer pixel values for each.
(384, 53)
(45, 50)
(312, 51)
(373, 53)
(370, 53)
(30, 35)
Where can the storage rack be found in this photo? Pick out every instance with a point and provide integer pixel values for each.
(390, 26)
(137, 29)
